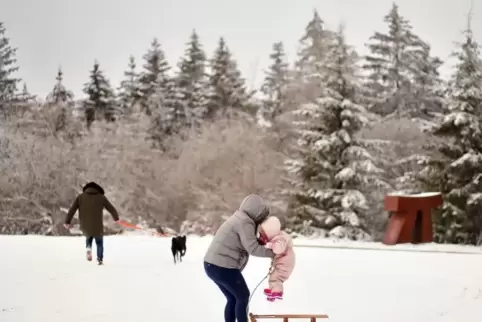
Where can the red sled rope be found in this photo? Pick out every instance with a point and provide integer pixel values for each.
(132, 226)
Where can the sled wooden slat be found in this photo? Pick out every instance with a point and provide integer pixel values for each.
(286, 317)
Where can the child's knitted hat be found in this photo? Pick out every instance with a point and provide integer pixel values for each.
(271, 226)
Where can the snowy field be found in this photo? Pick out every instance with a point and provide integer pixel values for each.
(47, 279)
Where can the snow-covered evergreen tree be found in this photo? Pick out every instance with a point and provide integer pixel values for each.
(100, 102)
(427, 87)
(60, 99)
(393, 66)
(403, 86)
(456, 170)
(176, 107)
(333, 170)
(8, 66)
(227, 90)
(192, 81)
(275, 84)
(314, 45)
(154, 77)
(60, 94)
(169, 115)
(25, 96)
(129, 91)
(161, 98)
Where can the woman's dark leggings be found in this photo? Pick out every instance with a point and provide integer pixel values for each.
(231, 282)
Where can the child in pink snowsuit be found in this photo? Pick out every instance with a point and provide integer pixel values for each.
(284, 260)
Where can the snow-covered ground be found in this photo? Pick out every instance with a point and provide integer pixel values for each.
(429, 247)
(47, 279)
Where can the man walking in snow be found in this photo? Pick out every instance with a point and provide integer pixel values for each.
(91, 203)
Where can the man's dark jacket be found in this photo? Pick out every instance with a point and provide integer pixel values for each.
(91, 203)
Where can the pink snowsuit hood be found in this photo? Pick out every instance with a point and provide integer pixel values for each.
(282, 245)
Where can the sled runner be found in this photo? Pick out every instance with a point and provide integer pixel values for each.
(286, 317)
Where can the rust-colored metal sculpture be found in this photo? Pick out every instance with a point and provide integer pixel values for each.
(410, 218)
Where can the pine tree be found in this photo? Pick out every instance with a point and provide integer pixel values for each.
(193, 65)
(129, 91)
(169, 117)
(175, 106)
(60, 94)
(314, 45)
(227, 88)
(456, 170)
(24, 96)
(192, 81)
(427, 87)
(101, 100)
(154, 77)
(390, 65)
(8, 66)
(333, 169)
(275, 84)
(60, 99)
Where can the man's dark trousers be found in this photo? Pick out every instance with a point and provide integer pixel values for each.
(99, 243)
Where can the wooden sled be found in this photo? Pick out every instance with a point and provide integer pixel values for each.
(286, 317)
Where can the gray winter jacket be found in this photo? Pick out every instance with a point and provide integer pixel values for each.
(236, 239)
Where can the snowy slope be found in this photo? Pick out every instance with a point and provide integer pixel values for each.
(47, 279)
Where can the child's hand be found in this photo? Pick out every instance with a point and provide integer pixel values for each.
(268, 245)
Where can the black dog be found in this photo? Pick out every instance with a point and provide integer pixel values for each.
(178, 247)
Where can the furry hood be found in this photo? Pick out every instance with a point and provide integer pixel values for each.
(93, 186)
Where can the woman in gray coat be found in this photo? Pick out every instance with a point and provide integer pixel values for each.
(229, 252)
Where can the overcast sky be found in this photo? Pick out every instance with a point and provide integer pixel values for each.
(72, 34)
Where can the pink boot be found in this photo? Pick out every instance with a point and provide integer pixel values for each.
(89, 254)
(277, 295)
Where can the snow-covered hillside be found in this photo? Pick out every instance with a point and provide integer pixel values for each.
(48, 279)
